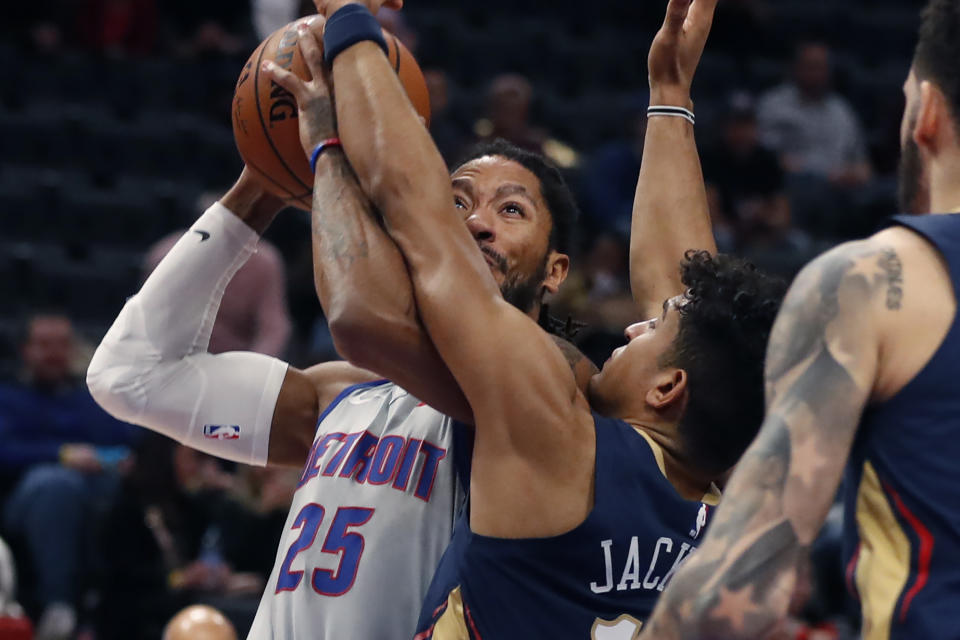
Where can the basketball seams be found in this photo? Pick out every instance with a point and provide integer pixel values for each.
(396, 51)
(283, 171)
(263, 124)
(288, 194)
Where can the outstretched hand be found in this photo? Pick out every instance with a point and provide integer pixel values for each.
(329, 7)
(316, 112)
(677, 48)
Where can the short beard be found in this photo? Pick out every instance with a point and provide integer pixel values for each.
(525, 292)
(910, 175)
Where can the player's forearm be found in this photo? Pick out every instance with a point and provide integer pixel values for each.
(359, 273)
(670, 212)
(365, 289)
(394, 157)
(247, 200)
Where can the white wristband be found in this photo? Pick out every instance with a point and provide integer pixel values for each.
(672, 112)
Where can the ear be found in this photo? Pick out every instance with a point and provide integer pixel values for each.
(669, 389)
(558, 267)
(932, 115)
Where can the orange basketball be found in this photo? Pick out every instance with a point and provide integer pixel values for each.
(265, 123)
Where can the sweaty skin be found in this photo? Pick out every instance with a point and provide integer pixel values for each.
(477, 334)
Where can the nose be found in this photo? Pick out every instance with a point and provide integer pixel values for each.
(636, 329)
(480, 226)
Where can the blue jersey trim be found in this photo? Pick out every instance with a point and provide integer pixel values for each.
(343, 394)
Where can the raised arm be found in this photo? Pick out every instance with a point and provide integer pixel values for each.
(153, 368)
(820, 373)
(670, 214)
(359, 273)
(505, 364)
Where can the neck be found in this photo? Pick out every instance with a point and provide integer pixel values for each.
(944, 185)
(689, 482)
(534, 312)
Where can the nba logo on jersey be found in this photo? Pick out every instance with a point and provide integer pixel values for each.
(221, 431)
(701, 522)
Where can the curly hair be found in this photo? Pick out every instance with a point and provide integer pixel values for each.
(725, 322)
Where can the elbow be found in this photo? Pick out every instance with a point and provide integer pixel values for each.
(372, 341)
(353, 338)
(112, 385)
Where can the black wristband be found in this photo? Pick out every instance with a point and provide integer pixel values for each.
(349, 25)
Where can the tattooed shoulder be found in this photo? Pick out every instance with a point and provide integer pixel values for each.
(573, 355)
(848, 278)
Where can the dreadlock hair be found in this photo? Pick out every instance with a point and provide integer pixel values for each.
(725, 322)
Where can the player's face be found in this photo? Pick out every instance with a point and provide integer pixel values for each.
(634, 369)
(49, 349)
(502, 206)
(914, 193)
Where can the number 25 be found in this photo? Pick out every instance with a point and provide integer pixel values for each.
(348, 544)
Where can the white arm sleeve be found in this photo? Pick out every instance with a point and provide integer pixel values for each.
(152, 367)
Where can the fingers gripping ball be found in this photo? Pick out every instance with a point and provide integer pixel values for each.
(264, 115)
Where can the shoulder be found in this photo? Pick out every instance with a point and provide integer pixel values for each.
(839, 299)
(860, 267)
(330, 379)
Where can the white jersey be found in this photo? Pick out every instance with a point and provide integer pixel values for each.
(373, 513)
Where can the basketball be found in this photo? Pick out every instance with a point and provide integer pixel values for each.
(265, 124)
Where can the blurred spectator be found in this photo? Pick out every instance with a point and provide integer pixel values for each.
(597, 291)
(749, 184)
(258, 506)
(609, 180)
(270, 15)
(60, 451)
(253, 315)
(447, 134)
(118, 27)
(814, 129)
(219, 27)
(509, 100)
(163, 542)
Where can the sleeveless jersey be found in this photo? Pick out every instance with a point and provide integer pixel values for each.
(599, 580)
(372, 514)
(902, 488)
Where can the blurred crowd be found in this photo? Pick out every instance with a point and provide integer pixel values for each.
(115, 116)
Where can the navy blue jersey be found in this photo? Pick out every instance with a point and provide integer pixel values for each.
(600, 580)
(902, 488)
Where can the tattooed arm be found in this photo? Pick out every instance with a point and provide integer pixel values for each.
(363, 283)
(821, 366)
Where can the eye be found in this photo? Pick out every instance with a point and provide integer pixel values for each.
(514, 210)
(459, 203)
